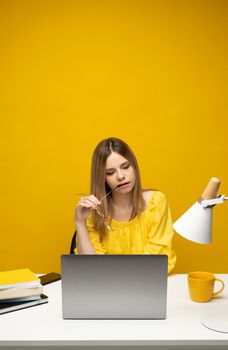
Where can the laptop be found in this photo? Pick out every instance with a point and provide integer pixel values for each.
(114, 286)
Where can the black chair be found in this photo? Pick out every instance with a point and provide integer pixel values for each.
(73, 243)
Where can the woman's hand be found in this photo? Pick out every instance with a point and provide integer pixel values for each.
(84, 208)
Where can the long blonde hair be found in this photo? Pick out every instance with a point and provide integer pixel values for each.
(99, 188)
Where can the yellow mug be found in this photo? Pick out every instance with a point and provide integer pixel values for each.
(201, 286)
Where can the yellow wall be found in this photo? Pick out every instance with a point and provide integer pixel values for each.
(153, 73)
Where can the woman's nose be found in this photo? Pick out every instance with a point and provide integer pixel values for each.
(120, 175)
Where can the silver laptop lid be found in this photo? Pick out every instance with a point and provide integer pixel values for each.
(114, 286)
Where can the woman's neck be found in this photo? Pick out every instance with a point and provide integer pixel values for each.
(122, 201)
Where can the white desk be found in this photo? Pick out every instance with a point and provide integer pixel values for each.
(43, 326)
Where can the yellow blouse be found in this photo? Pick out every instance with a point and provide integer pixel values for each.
(149, 233)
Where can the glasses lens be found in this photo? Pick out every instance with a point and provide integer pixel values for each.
(109, 228)
(99, 212)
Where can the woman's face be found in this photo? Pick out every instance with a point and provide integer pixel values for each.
(119, 172)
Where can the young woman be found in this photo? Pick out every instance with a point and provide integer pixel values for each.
(119, 217)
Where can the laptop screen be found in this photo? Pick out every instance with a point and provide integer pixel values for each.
(114, 286)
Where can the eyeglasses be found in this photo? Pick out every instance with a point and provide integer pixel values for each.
(105, 219)
(99, 212)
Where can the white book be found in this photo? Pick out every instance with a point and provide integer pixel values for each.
(11, 293)
(13, 300)
(21, 285)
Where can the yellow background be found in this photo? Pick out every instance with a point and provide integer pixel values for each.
(153, 73)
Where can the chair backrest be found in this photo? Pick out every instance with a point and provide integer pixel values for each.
(73, 243)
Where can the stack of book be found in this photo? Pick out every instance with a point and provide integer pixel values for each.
(20, 289)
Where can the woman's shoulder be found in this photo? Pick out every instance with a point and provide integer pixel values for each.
(147, 196)
(152, 196)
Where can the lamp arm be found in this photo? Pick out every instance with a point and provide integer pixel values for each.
(214, 201)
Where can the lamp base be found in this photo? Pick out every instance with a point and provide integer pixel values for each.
(217, 323)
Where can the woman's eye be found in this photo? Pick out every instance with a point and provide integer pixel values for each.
(126, 166)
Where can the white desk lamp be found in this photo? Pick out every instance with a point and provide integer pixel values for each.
(196, 225)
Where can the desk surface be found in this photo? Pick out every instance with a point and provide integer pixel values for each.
(43, 325)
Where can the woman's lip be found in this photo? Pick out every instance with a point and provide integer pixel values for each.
(126, 183)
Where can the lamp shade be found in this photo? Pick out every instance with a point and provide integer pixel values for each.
(195, 224)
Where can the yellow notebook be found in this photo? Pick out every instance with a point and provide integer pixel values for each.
(18, 278)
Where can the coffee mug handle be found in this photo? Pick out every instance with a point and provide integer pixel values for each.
(220, 290)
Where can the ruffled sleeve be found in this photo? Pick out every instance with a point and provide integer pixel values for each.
(161, 232)
(94, 237)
